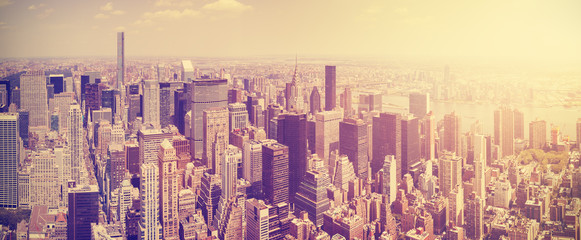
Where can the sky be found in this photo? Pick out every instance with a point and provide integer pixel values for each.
(540, 30)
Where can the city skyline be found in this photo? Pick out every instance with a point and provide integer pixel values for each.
(529, 31)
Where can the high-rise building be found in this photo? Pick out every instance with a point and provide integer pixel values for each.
(238, 116)
(23, 117)
(370, 101)
(428, 132)
(538, 134)
(504, 130)
(479, 143)
(229, 162)
(83, 210)
(252, 167)
(216, 137)
(266, 221)
(210, 192)
(474, 217)
(188, 73)
(9, 159)
(449, 172)
(315, 101)
(120, 60)
(151, 104)
(347, 102)
(343, 172)
(58, 81)
(292, 132)
(353, 143)
(168, 189)
(419, 104)
(63, 101)
(149, 193)
(312, 196)
(165, 110)
(410, 143)
(149, 140)
(34, 97)
(452, 132)
(207, 93)
(108, 100)
(125, 200)
(519, 124)
(327, 137)
(117, 166)
(387, 141)
(292, 93)
(389, 178)
(330, 88)
(275, 172)
(132, 158)
(75, 141)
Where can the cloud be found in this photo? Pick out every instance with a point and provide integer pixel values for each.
(34, 7)
(5, 2)
(101, 16)
(107, 7)
(45, 14)
(174, 3)
(227, 5)
(171, 14)
(118, 12)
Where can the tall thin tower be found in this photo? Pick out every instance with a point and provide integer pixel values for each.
(75, 140)
(120, 59)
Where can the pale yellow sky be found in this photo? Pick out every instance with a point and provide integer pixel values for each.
(535, 30)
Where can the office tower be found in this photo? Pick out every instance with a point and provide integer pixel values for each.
(207, 93)
(108, 100)
(343, 173)
(370, 101)
(9, 159)
(117, 165)
(63, 101)
(34, 97)
(312, 196)
(327, 137)
(504, 130)
(474, 217)
(387, 141)
(188, 73)
(419, 104)
(330, 88)
(23, 122)
(410, 143)
(58, 81)
(479, 143)
(92, 97)
(4, 99)
(132, 158)
(165, 107)
(209, 197)
(452, 132)
(519, 124)
(229, 164)
(151, 102)
(429, 132)
(275, 172)
(150, 199)
(120, 59)
(168, 189)
(229, 219)
(83, 210)
(578, 133)
(389, 178)
(267, 221)
(456, 206)
(103, 137)
(272, 111)
(449, 172)
(238, 116)
(538, 134)
(75, 141)
(252, 167)
(149, 140)
(315, 101)
(125, 200)
(215, 138)
(15, 97)
(254, 110)
(353, 143)
(292, 132)
(134, 102)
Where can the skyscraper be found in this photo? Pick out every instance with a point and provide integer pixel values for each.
(168, 190)
(410, 142)
(34, 97)
(252, 169)
(315, 101)
(429, 132)
(120, 59)
(452, 132)
(387, 141)
(504, 130)
(419, 104)
(519, 124)
(312, 196)
(353, 143)
(188, 73)
(149, 193)
(292, 98)
(479, 143)
(327, 137)
(165, 107)
(9, 158)
(275, 172)
(117, 166)
(474, 217)
(151, 102)
(292, 132)
(207, 93)
(216, 137)
(389, 178)
(330, 88)
(83, 210)
(149, 140)
(238, 116)
(58, 81)
(229, 164)
(449, 172)
(75, 141)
